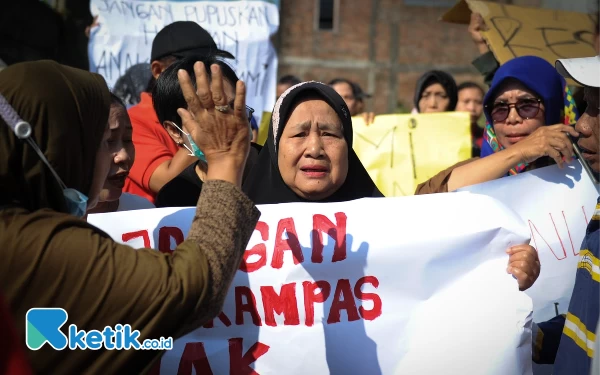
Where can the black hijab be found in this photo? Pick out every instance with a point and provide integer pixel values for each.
(265, 184)
(444, 79)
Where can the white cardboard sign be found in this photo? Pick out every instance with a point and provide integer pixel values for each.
(128, 27)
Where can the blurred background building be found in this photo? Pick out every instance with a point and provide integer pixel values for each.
(383, 45)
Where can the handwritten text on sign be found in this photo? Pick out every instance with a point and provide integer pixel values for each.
(515, 31)
(401, 151)
(550, 34)
(324, 288)
(127, 28)
(557, 206)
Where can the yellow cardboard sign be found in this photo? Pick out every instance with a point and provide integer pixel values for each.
(515, 31)
(402, 151)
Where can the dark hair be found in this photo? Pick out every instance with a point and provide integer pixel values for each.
(131, 84)
(335, 81)
(470, 85)
(359, 94)
(114, 99)
(289, 80)
(167, 96)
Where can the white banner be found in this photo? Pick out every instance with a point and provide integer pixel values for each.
(413, 285)
(128, 27)
(557, 206)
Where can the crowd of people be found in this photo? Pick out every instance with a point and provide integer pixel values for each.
(178, 133)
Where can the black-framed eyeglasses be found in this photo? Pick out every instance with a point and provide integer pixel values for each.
(526, 108)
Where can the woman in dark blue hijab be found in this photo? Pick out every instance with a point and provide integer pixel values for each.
(553, 102)
(529, 110)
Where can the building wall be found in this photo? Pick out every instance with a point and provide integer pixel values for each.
(582, 6)
(384, 45)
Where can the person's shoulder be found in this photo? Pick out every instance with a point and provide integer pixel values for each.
(21, 215)
(135, 111)
(252, 160)
(129, 202)
(24, 227)
(253, 154)
(143, 112)
(255, 147)
(182, 191)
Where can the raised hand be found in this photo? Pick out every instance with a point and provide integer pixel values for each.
(220, 130)
(476, 26)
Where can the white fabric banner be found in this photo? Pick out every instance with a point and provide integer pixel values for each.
(557, 206)
(412, 285)
(128, 27)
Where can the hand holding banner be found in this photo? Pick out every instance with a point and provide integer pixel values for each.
(557, 206)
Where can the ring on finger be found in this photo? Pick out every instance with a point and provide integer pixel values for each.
(222, 108)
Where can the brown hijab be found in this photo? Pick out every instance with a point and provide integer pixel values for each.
(68, 111)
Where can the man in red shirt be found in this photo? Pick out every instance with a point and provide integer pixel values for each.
(158, 158)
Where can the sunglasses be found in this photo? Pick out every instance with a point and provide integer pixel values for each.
(526, 108)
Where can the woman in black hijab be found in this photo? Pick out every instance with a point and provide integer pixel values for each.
(308, 156)
(436, 92)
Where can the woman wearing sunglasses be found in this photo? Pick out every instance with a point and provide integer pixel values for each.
(184, 189)
(526, 108)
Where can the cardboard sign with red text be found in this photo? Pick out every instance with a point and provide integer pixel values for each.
(412, 285)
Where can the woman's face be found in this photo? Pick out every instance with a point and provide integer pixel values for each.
(516, 127)
(588, 126)
(313, 154)
(120, 152)
(470, 100)
(434, 99)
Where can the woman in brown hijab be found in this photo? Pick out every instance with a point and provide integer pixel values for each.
(53, 259)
